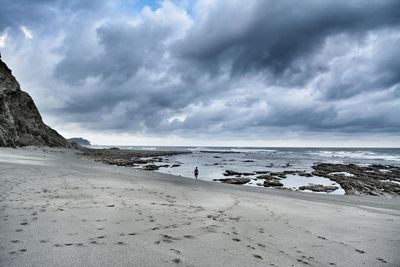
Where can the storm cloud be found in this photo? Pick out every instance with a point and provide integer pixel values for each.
(246, 69)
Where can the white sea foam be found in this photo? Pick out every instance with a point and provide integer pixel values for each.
(252, 150)
(356, 155)
(231, 150)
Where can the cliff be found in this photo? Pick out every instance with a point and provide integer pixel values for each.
(20, 120)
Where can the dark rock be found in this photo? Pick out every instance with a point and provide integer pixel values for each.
(366, 180)
(123, 157)
(140, 161)
(238, 174)
(305, 174)
(319, 188)
(268, 177)
(231, 173)
(119, 162)
(291, 172)
(163, 166)
(20, 120)
(151, 167)
(234, 180)
(273, 183)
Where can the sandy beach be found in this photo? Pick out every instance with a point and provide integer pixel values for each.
(58, 209)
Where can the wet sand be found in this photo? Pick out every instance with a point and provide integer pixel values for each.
(57, 209)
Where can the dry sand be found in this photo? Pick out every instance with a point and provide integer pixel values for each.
(57, 209)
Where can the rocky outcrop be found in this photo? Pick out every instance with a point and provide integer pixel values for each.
(238, 174)
(362, 180)
(20, 121)
(319, 188)
(79, 140)
(130, 158)
(272, 183)
(233, 180)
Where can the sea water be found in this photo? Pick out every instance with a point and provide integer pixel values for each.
(214, 161)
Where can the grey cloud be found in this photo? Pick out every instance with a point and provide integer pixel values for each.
(231, 69)
(272, 34)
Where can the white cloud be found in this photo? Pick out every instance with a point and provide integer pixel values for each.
(28, 33)
(3, 39)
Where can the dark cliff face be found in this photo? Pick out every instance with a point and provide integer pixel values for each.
(20, 121)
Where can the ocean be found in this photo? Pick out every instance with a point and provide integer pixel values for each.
(214, 161)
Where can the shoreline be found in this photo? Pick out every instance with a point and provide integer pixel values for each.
(148, 218)
(324, 177)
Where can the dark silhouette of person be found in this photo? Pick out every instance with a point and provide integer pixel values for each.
(196, 172)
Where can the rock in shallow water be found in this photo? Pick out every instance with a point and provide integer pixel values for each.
(235, 173)
(234, 180)
(364, 180)
(151, 167)
(319, 188)
(273, 183)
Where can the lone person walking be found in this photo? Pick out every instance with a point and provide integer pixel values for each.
(196, 172)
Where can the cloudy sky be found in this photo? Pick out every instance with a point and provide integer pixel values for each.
(210, 72)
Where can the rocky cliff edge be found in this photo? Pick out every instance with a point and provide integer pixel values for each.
(20, 120)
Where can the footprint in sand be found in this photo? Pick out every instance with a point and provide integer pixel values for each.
(257, 256)
(176, 260)
(381, 260)
(303, 261)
